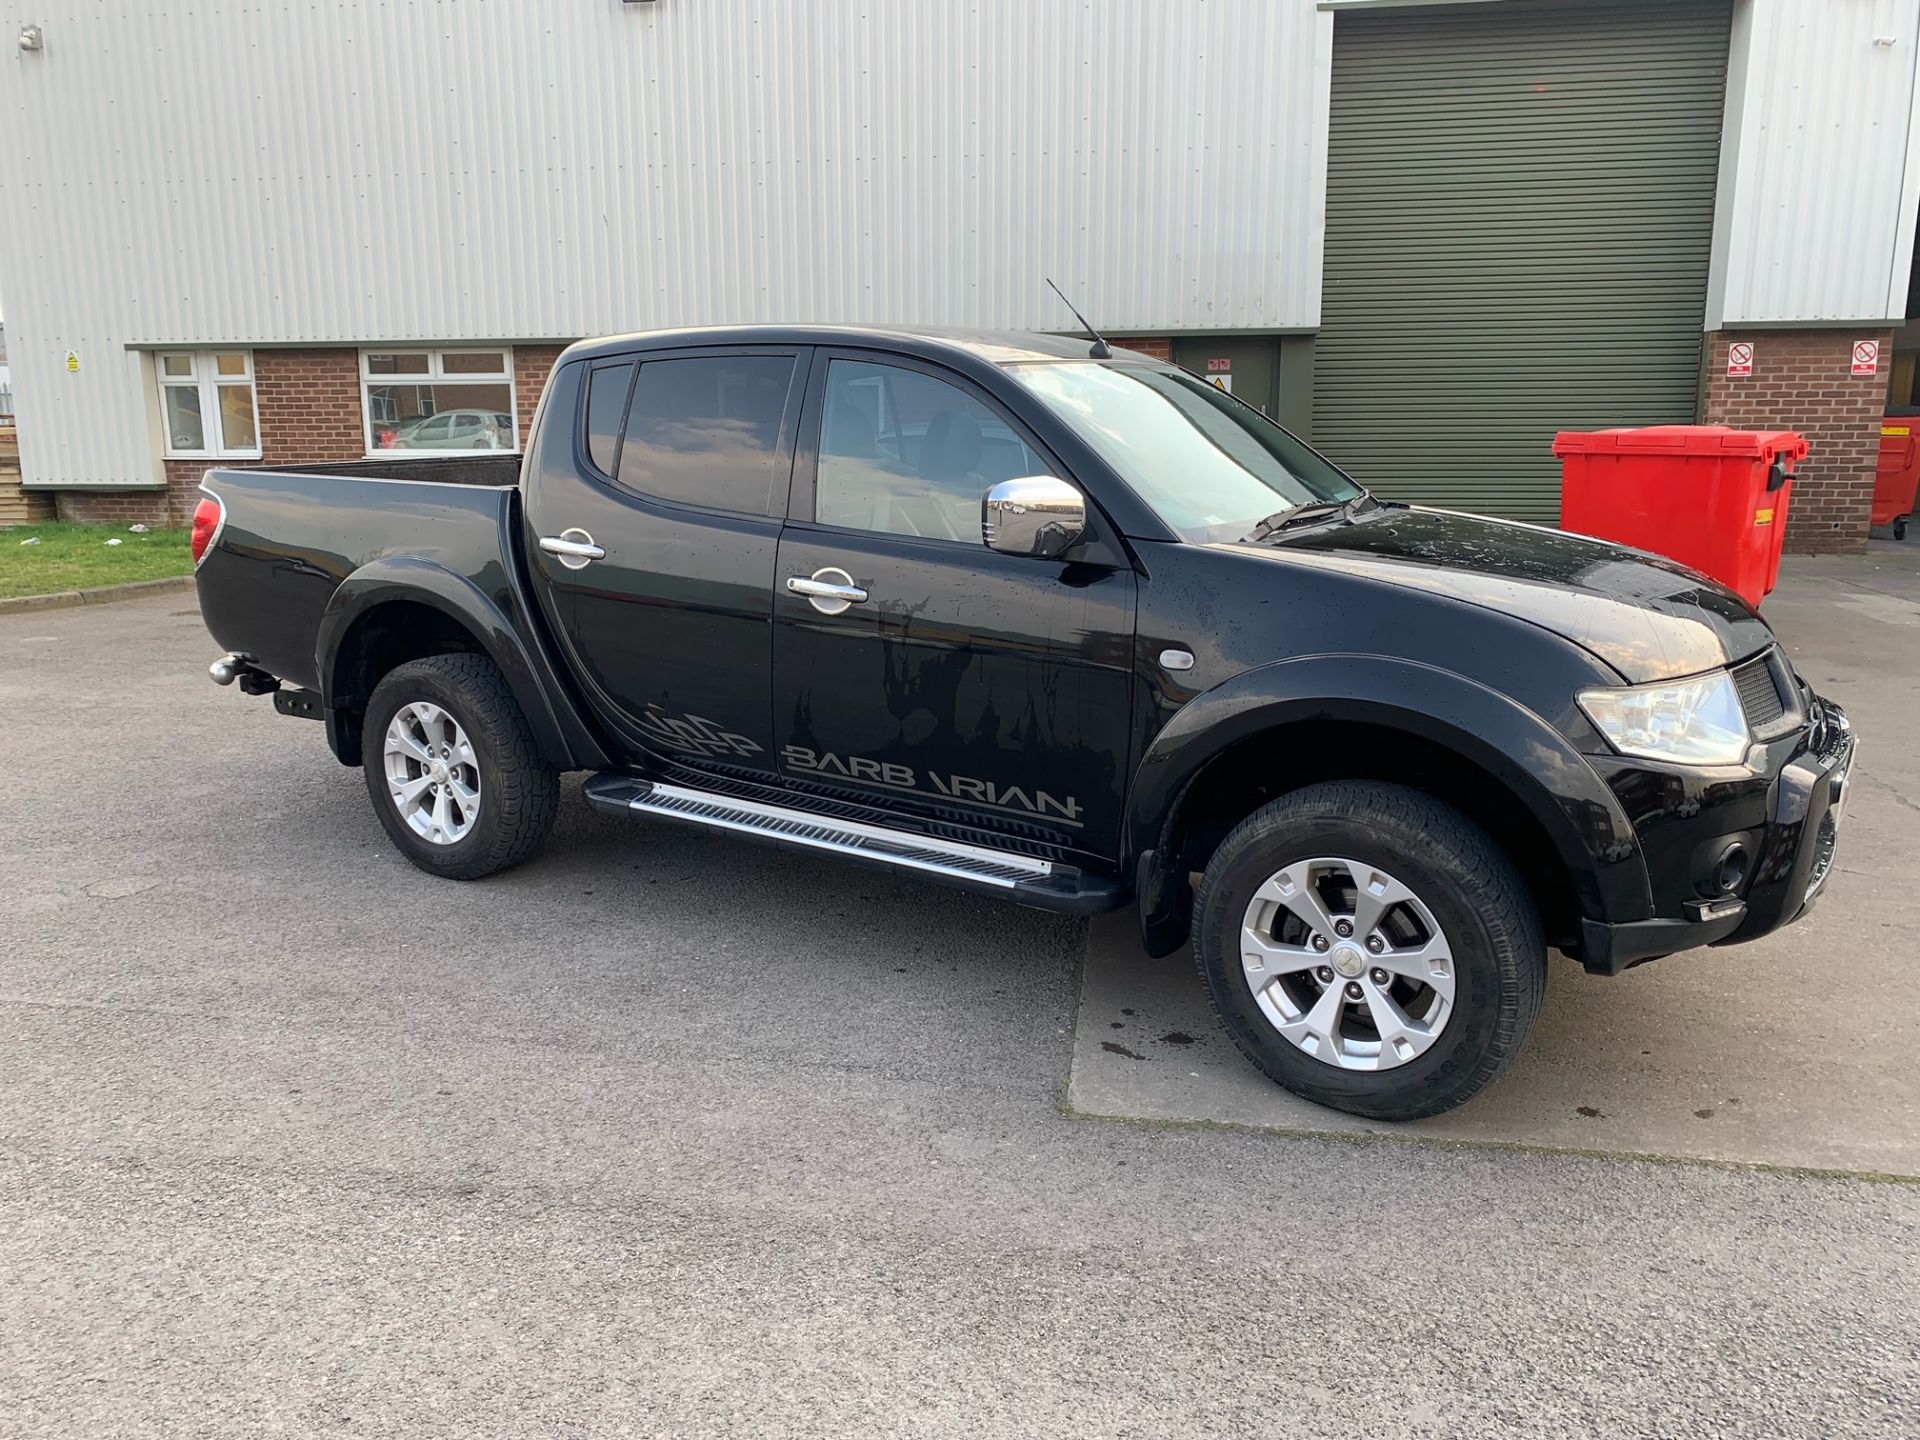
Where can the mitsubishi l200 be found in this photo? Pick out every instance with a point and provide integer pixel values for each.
(1071, 627)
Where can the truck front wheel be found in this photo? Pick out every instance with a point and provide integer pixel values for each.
(1370, 949)
(452, 769)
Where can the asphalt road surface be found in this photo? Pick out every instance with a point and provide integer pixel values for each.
(670, 1134)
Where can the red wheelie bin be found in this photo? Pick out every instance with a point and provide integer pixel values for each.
(1705, 495)
(1897, 476)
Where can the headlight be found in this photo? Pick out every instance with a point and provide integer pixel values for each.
(1694, 722)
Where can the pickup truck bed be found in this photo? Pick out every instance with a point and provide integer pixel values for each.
(448, 544)
(454, 513)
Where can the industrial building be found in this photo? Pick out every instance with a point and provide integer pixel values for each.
(1425, 236)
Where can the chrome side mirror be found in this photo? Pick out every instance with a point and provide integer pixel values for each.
(1036, 515)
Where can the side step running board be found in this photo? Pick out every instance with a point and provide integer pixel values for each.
(1032, 881)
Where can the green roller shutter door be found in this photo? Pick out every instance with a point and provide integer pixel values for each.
(1519, 218)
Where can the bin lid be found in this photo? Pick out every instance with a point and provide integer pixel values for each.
(1716, 440)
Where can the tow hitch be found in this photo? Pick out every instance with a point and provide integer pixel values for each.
(288, 700)
(253, 680)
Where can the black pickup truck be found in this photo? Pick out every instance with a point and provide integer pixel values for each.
(1063, 624)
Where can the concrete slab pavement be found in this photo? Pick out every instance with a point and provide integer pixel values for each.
(1797, 1050)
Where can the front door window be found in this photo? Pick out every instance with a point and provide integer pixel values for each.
(906, 453)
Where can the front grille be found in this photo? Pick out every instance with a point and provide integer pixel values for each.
(1759, 685)
(1830, 728)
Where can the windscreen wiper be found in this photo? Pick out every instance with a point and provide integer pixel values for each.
(1300, 515)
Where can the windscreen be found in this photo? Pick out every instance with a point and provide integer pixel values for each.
(1210, 466)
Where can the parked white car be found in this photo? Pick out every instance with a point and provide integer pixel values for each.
(452, 430)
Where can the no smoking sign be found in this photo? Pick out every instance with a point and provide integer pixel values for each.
(1866, 357)
(1740, 358)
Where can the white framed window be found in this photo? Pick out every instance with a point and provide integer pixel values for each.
(439, 402)
(207, 403)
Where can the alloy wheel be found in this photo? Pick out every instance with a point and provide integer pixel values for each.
(1347, 963)
(433, 776)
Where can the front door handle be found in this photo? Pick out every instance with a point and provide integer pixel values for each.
(575, 548)
(829, 590)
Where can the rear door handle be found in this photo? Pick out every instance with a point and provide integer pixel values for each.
(575, 548)
(830, 590)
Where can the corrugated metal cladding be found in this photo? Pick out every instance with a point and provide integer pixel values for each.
(1820, 178)
(1519, 213)
(240, 171)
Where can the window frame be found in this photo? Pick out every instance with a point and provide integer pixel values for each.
(786, 443)
(207, 382)
(436, 374)
(583, 436)
(804, 492)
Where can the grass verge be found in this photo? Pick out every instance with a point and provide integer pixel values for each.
(78, 557)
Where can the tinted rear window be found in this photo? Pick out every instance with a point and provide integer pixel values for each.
(606, 408)
(705, 431)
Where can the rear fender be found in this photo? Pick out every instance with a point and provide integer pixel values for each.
(423, 582)
(1590, 833)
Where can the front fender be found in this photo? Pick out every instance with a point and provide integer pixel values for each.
(425, 582)
(1590, 832)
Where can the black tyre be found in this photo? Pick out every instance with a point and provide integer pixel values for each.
(1370, 949)
(1900, 528)
(452, 768)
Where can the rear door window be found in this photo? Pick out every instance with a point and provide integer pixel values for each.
(705, 430)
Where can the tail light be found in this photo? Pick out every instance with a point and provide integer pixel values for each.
(208, 516)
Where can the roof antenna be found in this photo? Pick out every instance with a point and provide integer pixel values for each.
(1099, 350)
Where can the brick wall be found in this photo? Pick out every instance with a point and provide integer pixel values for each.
(1802, 380)
(87, 507)
(531, 364)
(309, 405)
(1148, 345)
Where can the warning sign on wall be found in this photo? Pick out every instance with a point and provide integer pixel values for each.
(1222, 381)
(1866, 357)
(1740, 358)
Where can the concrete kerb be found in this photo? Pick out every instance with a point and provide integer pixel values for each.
(99, 595)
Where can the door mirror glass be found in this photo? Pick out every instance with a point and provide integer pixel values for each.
(1037, 515)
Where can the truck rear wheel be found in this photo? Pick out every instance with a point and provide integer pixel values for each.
(452, 769)
(1370, 949)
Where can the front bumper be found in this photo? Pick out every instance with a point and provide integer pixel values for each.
(1796, 846)
(1809, 803)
